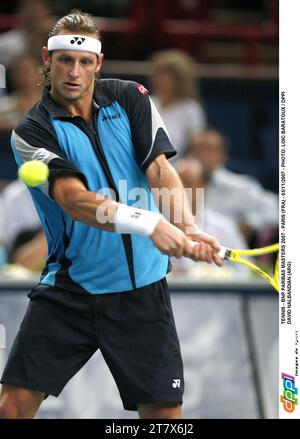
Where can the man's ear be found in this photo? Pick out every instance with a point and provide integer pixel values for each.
(99, 62)
(46, 56)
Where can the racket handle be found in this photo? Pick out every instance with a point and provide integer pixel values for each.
(221, 253)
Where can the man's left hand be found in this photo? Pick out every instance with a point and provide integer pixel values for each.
(206, 249)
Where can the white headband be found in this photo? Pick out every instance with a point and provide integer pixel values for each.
(79, 43)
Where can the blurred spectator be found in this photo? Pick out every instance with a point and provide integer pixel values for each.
(239, 197)
(25, 78)
(21, 230)
(175, 94)
(193, 177)
(222, 227)
(32, 254)
(35, 23)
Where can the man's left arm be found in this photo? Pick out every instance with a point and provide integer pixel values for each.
(171, 198)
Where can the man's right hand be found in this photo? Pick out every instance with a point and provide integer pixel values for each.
(169, 239)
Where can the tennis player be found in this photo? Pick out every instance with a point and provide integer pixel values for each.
(104, 283)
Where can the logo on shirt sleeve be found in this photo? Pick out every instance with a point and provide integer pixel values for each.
(42, 154)
(176, 383)
(142, 89)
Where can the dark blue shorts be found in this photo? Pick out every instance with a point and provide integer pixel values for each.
(135, 331)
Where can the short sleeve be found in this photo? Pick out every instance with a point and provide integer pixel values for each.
(31, 141)
(149, 135)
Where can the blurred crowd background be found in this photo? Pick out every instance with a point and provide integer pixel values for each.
(211, 67)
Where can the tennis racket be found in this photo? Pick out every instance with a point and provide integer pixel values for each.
(236, 256)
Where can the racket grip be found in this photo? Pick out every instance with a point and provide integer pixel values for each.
(221, 253)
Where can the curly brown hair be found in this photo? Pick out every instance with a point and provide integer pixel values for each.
(74, 21)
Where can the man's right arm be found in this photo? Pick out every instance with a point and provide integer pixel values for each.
(98, 211)
(83, 205)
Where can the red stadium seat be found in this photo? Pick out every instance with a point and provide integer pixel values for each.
(8, 22)
(187, 31)
(128, 32)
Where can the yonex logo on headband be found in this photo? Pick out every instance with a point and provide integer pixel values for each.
(74, 42)
(78, 40)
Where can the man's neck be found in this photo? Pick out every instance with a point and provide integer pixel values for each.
(81, 107)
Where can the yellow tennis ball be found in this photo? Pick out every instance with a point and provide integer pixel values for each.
(34, 173)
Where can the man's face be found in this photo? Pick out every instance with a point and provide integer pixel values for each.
(163, 83)
(72, 73)
(208, 148)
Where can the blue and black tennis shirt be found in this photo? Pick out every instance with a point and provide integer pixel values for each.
(114, 151)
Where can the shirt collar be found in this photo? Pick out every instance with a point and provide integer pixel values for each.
(100, 99)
